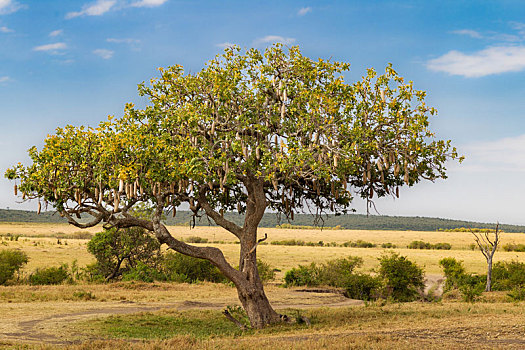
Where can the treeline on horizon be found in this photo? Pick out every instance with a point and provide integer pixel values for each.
(349, 221)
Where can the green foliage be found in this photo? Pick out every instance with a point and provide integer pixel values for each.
(507, 275)
(182, 268)
(513, 247)
(143, 272)
(517, 294)
(419, 245)
(49, 275)
(266, 272)
(471, 287)
(303, 276)
(454, 272)
(118, 251)
(426, 245)
(196, 239)
(298, 242)
(388, 245)
(362, 286)
(359, 244)
(11, 260)
(402, 278)
(337, 273)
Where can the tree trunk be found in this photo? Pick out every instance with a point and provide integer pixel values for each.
(488, 286)
(253, 298)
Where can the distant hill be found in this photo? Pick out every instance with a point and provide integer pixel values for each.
(350, 221)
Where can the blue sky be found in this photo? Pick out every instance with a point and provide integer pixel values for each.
(78, 61)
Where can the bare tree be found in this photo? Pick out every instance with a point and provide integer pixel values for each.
(488, 248)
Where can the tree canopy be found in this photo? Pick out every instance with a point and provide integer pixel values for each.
(251, 131)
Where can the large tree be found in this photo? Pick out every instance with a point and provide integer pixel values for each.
(250, 132)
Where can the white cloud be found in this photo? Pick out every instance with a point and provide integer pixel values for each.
(303, 11)
(492, 60)
(148, 3)
(9, 6)
(105, 54)
(274, 39)
(51, 47)
(94, 9)
(123, 41)
(4, 79)
(56, 33)
(468, 32)
(225, 45)
(503, 155)
(4, 29)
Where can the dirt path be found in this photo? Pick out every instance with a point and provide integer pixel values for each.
(48, 326)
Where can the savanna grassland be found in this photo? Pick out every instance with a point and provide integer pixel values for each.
(176, 315)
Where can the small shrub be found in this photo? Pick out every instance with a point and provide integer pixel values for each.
(336, 273)
(196, 239)
(507, 275)
(118, 251)
(517, 294)
(359, 244)
(513, 247)
(182, 268)
(303, 276)
(403, 279)
(419, 245)
(289, 242)
(144, 273)
(11, 260)
(471, 287)
(49, 275)
(454, 272)
(442, 246)
(362, 286)
(266, 272)
(388, 245)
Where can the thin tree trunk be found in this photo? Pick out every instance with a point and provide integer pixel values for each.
(488, 286)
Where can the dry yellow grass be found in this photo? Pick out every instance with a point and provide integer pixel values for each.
(46, 251)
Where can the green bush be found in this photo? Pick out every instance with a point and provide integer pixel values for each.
(403, 279)
(442, 246)
(49, 275)
(118, 251)
(507, 275)
(182, 268)
(454, 272)
(362, 286)
(419, 245)
(426, 245)
(11, 260)
(289, 242)
(517, 294)
(471, 287)
(266, 272)
(359, 244)
(388, 245)
(144, 273)
(303, 276)
(196, 239)
(513, 247)
(336, 273)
